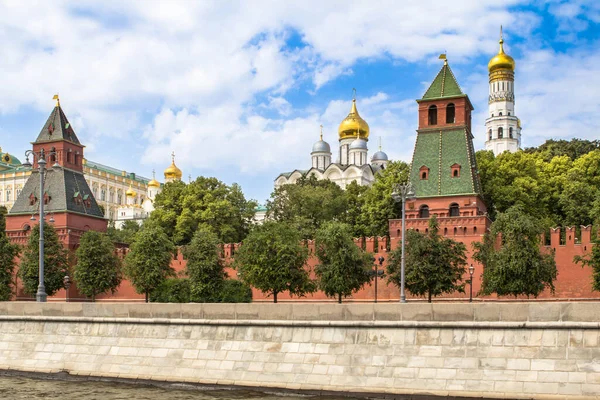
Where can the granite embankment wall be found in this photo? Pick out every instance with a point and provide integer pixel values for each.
(499, 350)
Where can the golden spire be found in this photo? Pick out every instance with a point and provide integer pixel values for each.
(501, 61)
(57, 100)
(172, 172)
(154, 182)
(321, 135)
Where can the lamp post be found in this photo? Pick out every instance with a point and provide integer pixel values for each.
(471, 271)
(403, 192)
(377, 272)
(41, 295)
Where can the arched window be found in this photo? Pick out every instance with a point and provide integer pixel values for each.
(510, 132)
(424, 173)
(509, 113)
(455, 170)
(454, 231)
(490, 134)
(454, 210)
(450, 113)
(474, 230)
(424, 211)
(432, 115)
(500, 113)
(455, 173)
(52, 156)
(500, 133)
(445, 231)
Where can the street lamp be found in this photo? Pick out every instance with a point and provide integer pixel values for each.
(41, 295)
(471, 271)
(403, 192)
(377, 272)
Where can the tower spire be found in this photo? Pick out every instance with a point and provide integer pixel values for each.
(321, 135)
(379, 143)
(57, 100)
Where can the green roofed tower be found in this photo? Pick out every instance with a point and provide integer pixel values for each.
(443, 171)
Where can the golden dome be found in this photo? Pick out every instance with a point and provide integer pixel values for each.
(154, 182)
(130, 192)
(501, 60)
(353, 123)
(172, 172)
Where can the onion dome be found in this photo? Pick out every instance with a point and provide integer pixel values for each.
(172, 172)
(358, 143)
(321, 146)
(8, 158)
(130, 192)
(379, 156)
(501, 61)
(154, 183)
(352, 123)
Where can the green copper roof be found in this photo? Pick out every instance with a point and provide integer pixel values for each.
(439, 151)
(444, 85)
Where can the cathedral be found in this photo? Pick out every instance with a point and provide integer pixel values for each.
(352, 156)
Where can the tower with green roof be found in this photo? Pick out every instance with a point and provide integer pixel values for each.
(443, 171)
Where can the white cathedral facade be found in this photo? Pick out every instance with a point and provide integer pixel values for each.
(352, 162)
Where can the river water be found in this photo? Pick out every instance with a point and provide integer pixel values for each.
(15, 387)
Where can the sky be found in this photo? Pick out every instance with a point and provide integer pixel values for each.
(238, 89)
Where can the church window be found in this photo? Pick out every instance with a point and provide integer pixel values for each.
(450, 113)
(424, 173)
(490, 134)
(454, 210)
(510, 132)
(500, 133)
(432, 115)
(424, 211)
(455, 170)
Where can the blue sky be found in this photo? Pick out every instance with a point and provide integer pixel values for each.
(238, 89)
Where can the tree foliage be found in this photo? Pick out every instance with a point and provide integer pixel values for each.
(8, 252)
(307, 204)
(343, 267)
(573, 148)
(205, 267)
(180, 208)
(177, 290)
(592, 259)
(98, 269)
(272, 259)
(434, 264)
(125, 234)
(148, 262)
(56, 264)
(515, 266)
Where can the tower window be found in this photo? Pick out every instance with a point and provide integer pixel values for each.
(450, 113)
(510, 132)
(424, 173)
(490, 134)
(500, 114)
(454, 210)
(424, 211)
(509, 113)
(432, 115)
(500, 133)
(455, 170)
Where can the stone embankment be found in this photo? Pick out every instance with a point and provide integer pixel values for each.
(498, 350)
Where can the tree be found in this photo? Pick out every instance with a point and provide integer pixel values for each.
(573, 148)
(205, 268)
(125, 234)
(98, 269)
(307, 204)
(434, 264)
(272, 259)
(148, 262)
(378, 204)
(181, 208)
(8, 252)
(343, 267)
(355, 198)
(56, 264)
(516, 265)
(592, 259)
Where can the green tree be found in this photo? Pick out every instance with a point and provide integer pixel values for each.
(235, 291)
(516, 266)
(148, 262)
(573, 148)
(8, 252)
(343, 267)
(56, 264)
(355, 198)
(98, 269)
(125, 234)
(181, 208)
(378, 205)
(592, 259)
(434, 264)
(205, 267)
(172, 290)
(307, 204)
(272, 259)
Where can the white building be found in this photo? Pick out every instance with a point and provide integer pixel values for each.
(503, 128)
(352, 156)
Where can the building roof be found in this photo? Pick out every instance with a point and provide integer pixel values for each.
(438, 151)
(444, 85)
(67, 189)
(105, 168)
(57, 127)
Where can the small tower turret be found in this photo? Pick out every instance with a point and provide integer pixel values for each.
(321, 153)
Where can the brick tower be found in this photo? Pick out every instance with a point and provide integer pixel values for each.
(443, 171)
(67, 196)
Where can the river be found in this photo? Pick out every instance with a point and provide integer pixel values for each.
(16, 387)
